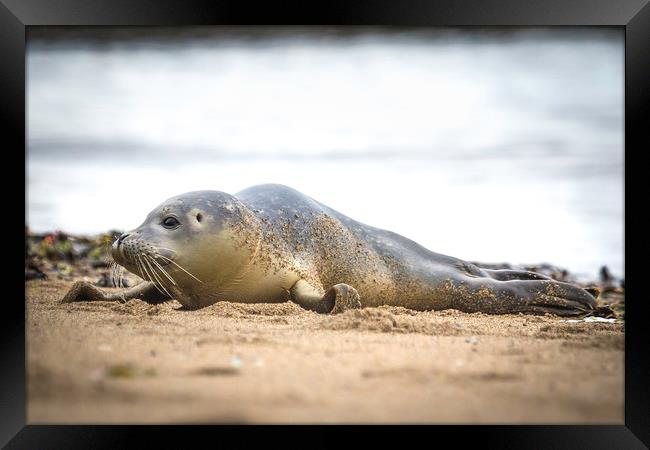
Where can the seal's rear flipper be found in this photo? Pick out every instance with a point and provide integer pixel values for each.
(556, 297)
(522, 296)
(506, 275)
(82, 291)
(595, 291)
(604, 311)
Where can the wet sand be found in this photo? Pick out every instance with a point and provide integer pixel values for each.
(102, 362)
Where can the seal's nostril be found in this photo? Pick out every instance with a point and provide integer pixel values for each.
(121, 238)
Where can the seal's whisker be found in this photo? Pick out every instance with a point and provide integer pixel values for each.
(146, 272)
(140, 269)
(114, 274)
(162, 270)
(149, 275)
(166, 285)
(153, 271)
(143, 271)
(180, 267)
(155, 275)
(120, 272)
(116, 268)
(168, 249)
(113, 268)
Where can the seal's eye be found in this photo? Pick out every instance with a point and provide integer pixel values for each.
(170, 222)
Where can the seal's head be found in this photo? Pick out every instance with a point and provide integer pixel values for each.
(191, 245)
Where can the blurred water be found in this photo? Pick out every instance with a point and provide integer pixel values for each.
(490, 147)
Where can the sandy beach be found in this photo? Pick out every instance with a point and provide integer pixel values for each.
(103, 362)
(501, 147)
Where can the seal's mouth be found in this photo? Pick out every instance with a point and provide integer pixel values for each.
(152, 263)
(149, 262)
(130, 249)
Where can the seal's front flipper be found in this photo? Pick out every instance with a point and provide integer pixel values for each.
(82, 291)
(338, 298)
(343, 296)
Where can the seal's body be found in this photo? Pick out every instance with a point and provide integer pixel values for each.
(270, 243)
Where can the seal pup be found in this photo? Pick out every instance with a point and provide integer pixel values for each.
(270, 243)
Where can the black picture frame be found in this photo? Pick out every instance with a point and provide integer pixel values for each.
(633, 15)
